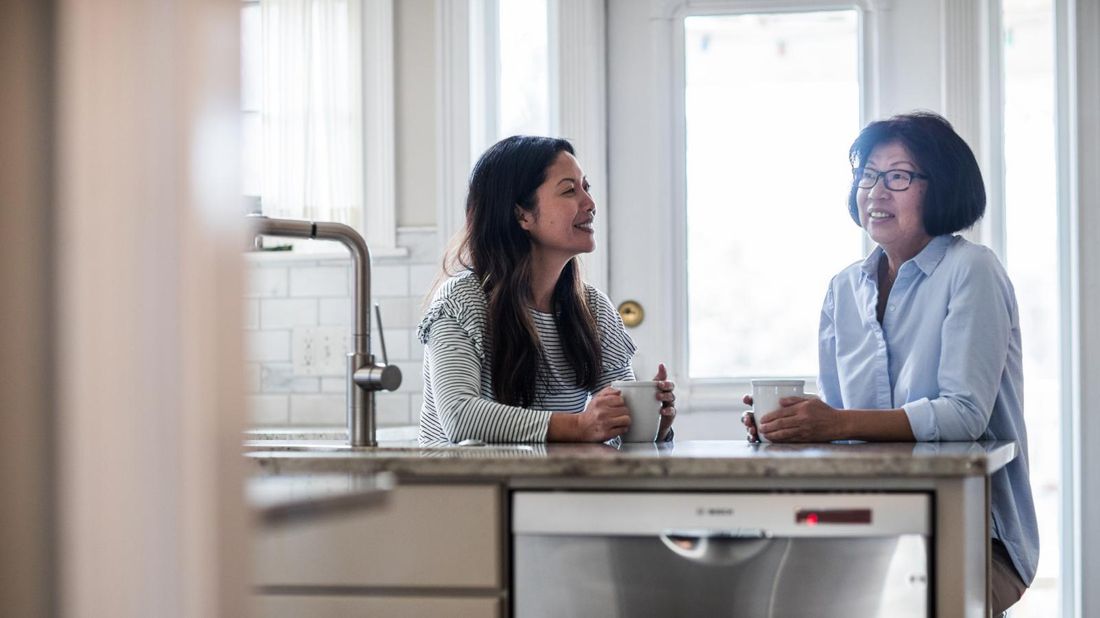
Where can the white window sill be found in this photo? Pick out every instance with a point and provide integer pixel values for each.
(724, 394)
(294, 257)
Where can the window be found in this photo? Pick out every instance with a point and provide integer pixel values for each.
(767, 180)
(305, 117)
(524, 54)
(251, 89)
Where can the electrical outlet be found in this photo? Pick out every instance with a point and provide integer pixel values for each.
(320, 351)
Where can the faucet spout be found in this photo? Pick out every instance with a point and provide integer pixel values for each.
(365, 376)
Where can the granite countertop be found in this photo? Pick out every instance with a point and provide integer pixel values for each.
(282, 499)
(698, 459)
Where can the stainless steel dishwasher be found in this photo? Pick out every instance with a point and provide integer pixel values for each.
(638, 554)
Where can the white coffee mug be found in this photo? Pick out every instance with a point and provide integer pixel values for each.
(766, 395)
(645, 410)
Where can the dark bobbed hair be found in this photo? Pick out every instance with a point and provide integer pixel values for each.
(498, 251)
(955, 198)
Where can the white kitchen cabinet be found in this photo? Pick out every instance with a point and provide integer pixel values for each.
(429, 550)
(299, 606)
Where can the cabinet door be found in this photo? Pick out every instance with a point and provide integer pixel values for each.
(291, 606)
(425, 535)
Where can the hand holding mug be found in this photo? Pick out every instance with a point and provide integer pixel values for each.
(667, 396)
(749, 421)
(605, 416)
(651, 406)
(801, 419)
(771, 396)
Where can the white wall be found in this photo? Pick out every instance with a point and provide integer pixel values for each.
(415, 110)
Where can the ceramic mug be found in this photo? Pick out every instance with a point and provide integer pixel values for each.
(645, 409)
(766, 394)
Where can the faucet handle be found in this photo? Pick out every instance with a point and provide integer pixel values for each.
(375, 377)
(378, 377)
(381, 336)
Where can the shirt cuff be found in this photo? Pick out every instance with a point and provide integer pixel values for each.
(922, 420)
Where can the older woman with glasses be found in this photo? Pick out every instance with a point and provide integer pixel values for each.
(921, 340)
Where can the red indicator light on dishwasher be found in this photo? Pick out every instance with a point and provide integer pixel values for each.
(813, 517)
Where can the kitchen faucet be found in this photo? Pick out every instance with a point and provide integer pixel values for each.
(365, 376)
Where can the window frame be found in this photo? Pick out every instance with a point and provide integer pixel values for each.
(468, 82)
(379, 216)
(724, 394)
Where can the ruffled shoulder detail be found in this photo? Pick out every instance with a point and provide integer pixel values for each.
(616, 345)
(461, 299)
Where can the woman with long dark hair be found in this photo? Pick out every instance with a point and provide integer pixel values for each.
(518, 348)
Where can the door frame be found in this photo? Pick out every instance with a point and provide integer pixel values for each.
(647, 172)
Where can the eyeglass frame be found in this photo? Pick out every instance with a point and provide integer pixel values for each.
(858, 171)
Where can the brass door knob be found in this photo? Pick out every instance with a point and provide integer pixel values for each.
(632, 313)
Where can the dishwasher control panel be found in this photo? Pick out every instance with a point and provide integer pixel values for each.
(766, 514)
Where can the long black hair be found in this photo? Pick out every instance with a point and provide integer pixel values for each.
(498, 251)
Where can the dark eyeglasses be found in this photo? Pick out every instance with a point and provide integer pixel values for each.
(895, 180)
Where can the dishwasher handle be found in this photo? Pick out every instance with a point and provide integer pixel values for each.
(718, 548)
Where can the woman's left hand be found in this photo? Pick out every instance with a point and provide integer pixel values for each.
(667, 397)
(801, 419)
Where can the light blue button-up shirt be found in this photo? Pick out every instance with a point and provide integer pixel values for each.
(948, 353)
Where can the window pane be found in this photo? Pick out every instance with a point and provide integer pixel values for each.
(252, 160)
(1032, 254)
(524, 68)
(251, 91)
(251, 67)
(772, 105)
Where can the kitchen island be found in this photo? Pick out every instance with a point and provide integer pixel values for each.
(449, 538)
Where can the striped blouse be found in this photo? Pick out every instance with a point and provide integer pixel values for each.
(458, 386)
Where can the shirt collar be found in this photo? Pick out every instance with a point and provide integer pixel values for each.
(869, 268)
(932, 254)
(927, 260)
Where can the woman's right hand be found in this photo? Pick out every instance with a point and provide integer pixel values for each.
(748, 421)
(605, 417)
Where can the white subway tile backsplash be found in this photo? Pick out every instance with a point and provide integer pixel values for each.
(335, 311)
(280, 378)
(266, 281)
(251, 314)
(421, 278)
(320, 281)
(333, 385)
(416, 349)
(287, 312)
(267, 345)
(389, 281)
(318, 410)
(320, 351)
(393, 408)
(412, 381)
(269, 409)
(398, 313)
(252, 378)
(297, 314)
(421, 244)
(397, 345)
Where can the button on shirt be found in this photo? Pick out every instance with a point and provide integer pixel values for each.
(947, 353)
